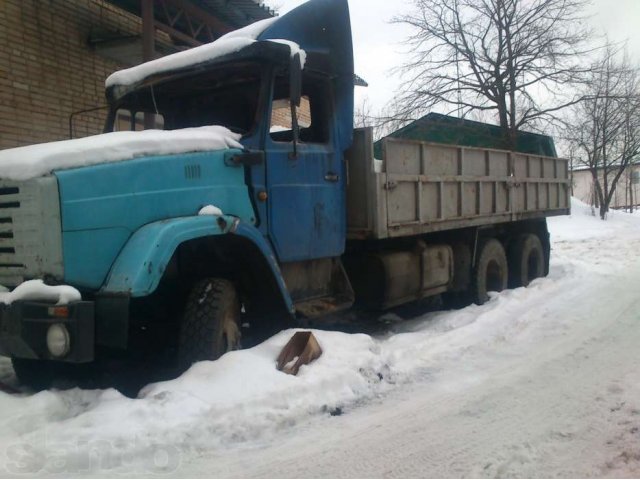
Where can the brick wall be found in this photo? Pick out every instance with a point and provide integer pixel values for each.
(281, 113)
(48, 70)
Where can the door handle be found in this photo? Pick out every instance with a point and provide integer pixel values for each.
(332, 177)
(247, 158)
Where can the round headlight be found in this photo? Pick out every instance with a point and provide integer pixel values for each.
(58, 340)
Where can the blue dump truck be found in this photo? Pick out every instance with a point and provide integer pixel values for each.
(307, 215)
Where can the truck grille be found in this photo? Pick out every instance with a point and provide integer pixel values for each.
(11, 269)
(30, 230)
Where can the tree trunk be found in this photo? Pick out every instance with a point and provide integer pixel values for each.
(603, 212)
(601, 198)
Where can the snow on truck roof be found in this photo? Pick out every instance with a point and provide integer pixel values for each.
(34, 161)
(232, 42)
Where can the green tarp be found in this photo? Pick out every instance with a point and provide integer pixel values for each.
(438, 128)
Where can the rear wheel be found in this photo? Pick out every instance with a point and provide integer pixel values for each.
(211, 323)
(526, 260)
(491, 271)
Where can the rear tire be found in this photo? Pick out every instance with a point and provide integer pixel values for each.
(526, 260)
(491, 272)
(211, 323)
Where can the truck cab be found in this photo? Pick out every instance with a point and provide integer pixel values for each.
(131, 239)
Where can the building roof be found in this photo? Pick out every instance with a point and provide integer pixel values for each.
(237, 13)
(584, 168)
(221, 16)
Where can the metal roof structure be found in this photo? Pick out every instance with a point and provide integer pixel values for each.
(169, 26)
(194, 22)
(238, 13)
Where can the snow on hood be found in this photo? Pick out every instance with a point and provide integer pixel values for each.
(230, 43)
(210, 210)
(33, 161)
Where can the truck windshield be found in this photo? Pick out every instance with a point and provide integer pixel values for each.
(226, 96)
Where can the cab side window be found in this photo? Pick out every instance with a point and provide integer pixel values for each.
(313, 113)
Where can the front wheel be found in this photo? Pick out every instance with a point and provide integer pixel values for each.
(491, 272)
(211, 323)
(36, 374)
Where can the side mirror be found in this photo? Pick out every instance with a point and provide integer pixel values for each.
(295, 97)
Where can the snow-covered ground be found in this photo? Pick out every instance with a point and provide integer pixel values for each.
(542, 381)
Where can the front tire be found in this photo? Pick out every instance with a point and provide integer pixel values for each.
(491, 273)
(36, 374)
(211, 323)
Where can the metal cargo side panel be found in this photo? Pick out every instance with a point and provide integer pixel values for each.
(440, 198)
(429, 184)
(540, 183)
(403, 197)
(430, 187)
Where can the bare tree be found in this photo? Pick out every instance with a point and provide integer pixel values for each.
(604, 129)
(366, 115)
(363, 114)
(512, 58)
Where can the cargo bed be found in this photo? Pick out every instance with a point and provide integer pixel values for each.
(421, 187)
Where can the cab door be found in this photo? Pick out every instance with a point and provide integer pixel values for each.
(306, 195)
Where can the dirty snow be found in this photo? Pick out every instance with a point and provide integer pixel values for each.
(33, 161)
(210, 210)
(230, 43)
(36, 290)
(542, 381)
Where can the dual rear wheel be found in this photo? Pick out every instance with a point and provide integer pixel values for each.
(494, 271)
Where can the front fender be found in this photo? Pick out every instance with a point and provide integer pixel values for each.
(143, 260)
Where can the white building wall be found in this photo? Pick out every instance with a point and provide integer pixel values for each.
(584, 188)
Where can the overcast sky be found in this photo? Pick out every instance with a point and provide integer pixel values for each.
(378, 44)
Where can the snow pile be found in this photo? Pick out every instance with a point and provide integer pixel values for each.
(36, 290)
(210, 210)
(510, 360)
(239, 397)
(230, 43)
(585, 223)
(33, 161)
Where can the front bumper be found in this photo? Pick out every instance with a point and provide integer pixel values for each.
(24, 326)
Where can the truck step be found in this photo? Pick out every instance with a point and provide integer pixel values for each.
(323, 306)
